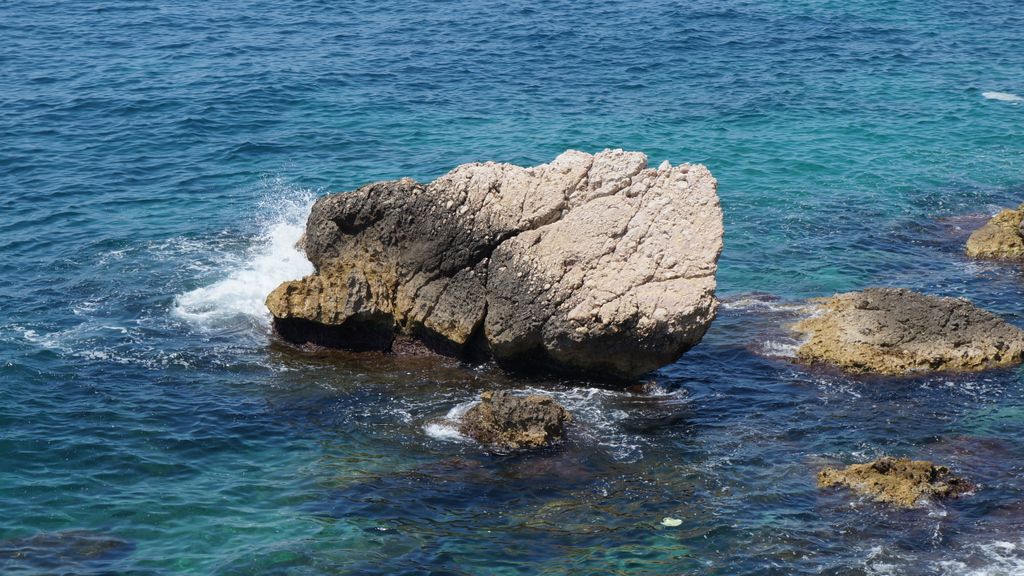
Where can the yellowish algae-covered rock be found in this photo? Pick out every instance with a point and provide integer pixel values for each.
(898, 481)
(505, 420)
(1002, 237)
(897, 332)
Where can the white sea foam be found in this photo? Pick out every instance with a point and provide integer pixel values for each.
(597, 419)
(600, 423)
(993, 558)
(83, 341)
(272, 260)
(879, 563)
(997, 558)
(776, 340)
(447, 428)
(50, 340)
(784, 348)
(443, 431)
(761, 304)
(1003, 96)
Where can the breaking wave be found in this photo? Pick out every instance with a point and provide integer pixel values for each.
(250, 277)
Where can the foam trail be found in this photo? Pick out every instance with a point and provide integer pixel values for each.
(1002, 96)
(997, 558)
(273, 259)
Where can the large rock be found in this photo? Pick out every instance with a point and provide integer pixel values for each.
(592, 264)
(505, 420)
(897, 331)
(1002, 237)
(898, 481)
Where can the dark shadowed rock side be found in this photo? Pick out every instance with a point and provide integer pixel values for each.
(1002, 237)
(898, 481)
(896, 331)
(592, 264)
(505, 420)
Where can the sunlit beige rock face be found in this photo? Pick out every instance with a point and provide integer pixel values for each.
(591, 264)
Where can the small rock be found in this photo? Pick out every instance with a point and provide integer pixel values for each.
(1001, 238)
(898, 481)
(505, 420)
(896, 331)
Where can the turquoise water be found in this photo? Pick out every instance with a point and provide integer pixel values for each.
(157, 163)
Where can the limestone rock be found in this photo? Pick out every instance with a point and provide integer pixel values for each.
(505, 420)
(321, 310)
(898, 481)
(896, 331)
(591, 264)
(1001, 238)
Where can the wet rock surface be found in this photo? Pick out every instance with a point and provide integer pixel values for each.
(591, 264)
(898, 481)
(896, 331)
(507, 421)
(1002, 237)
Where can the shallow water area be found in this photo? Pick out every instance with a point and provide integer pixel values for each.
(158, 166)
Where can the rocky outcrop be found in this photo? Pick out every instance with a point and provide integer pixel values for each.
(896, 331)
(1001, 238)
(507, 421)
(898, 481)
(592, 264)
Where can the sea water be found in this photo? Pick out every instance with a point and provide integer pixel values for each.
(157, 162)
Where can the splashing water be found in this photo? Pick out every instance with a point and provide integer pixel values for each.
(273, 259)
(995, 558)
(447, 429)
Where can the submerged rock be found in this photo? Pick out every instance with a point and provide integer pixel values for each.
(505, 420)
(592, 264)
(1002, 237)
(898, 481)
(64, 549)
(896, 331)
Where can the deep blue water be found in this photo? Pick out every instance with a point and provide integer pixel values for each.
(157, 163)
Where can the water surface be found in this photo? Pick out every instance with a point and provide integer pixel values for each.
(157, 164)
